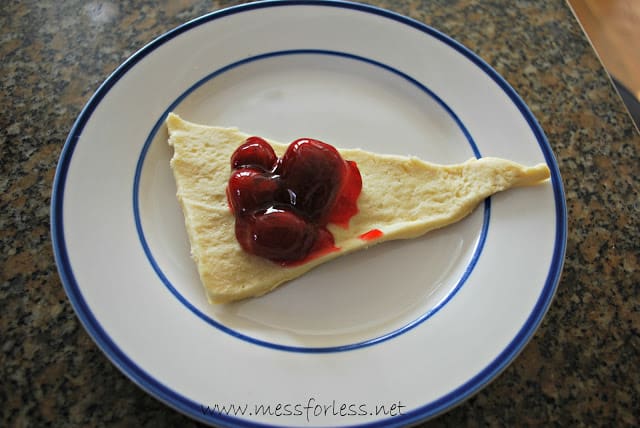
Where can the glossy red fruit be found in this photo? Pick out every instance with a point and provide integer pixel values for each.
(313, 173)
(276, 234)
(282, 206)
(255, 152)
(249, 190)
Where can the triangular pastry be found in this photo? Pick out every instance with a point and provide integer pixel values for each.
(402, 197)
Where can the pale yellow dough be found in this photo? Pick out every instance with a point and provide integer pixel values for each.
(404, 197)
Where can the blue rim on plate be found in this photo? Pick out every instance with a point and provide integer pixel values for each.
(183, 404)
(345, 347)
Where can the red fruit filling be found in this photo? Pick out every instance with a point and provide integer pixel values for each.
(283, 205)
(254, 153)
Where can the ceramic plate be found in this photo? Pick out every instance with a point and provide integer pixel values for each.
(389, 336)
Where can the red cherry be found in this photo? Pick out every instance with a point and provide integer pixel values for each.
(249, 190)
(254, 152)
(276, 234)
(312, 171)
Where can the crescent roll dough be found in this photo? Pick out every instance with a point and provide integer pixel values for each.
(404, 197)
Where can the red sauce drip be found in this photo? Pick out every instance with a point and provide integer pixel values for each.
(346, 205)
(283, 205)
(371, 235)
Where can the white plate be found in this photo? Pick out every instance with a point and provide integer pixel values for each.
(390, 336)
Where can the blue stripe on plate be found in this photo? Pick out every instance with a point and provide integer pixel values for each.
(160, 122)
(193, 409)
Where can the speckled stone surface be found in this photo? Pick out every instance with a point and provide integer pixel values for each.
(582, 367)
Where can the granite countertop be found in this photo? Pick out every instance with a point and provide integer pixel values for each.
(582, 367)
